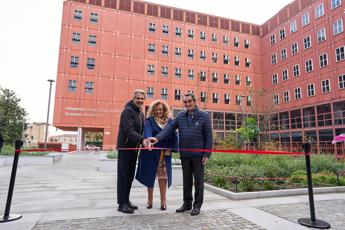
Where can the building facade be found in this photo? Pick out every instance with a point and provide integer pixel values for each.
(109, 48)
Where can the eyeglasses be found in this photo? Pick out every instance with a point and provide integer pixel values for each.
(187, 102)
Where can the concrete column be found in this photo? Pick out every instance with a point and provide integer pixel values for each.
(80, 139)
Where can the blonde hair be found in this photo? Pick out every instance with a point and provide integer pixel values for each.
(154, 104)
(138, 91)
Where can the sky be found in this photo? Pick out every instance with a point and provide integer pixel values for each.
(30, 36)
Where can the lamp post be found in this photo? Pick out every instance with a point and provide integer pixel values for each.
(47, 123)
(243, 117)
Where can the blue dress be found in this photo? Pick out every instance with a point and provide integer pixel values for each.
(148, 160)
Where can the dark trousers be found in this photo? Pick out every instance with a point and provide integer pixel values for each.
(193, 167)
(125, 174)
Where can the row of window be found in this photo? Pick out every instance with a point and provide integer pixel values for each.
(323, 62)
(307, 43)
(325, 88)
(305, 20)
(74, 62)
(72, 86)
(91, 40)
(78, 16)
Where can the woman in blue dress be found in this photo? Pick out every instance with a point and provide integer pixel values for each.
(156, 163)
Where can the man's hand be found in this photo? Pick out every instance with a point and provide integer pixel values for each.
(153, 140)
(204, 160)
(147, 144)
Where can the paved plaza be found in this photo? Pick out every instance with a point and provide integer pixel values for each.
(73, 194)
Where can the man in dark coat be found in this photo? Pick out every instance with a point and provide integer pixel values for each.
(130, 135)
(195, 132)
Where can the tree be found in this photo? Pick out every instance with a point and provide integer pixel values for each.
(12, 116)
(250, 130)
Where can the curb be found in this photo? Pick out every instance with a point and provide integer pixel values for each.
(272, 193)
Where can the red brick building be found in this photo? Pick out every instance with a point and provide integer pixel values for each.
(109, 48)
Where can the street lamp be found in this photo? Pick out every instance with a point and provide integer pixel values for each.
(47, 123)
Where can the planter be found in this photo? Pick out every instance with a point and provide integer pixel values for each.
(48, 159)
(271, 193)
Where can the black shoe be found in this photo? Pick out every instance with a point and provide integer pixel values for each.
(195, 211)
(149, 206)
(125, 209)
(184, 208)
(163, 207)
(132, 206)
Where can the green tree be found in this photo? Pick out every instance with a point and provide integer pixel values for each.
(250, 130)
(12, 116)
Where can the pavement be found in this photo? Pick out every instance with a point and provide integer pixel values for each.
(73, 194)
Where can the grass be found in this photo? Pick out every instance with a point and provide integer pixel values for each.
(8, 150)
(245, 173)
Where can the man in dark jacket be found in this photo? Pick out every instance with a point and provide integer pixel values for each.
(195, 132)
(130, 136)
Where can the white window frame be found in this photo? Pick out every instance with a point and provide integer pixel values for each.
(327, 87)
(296, 70)
(298, 92)
(321, 35)
(341, 56)
(319, 11)
(305, 19)
(293, 27)
(285, 75)
(311, 88)
(283, 54)
(276, 99)
(341, 81)
(286, 96)
(307, 42)
(274, 59)
(323, 61)
(306, 66)
(335, 4)
(294, 48)
(274, 78)
(338, 26)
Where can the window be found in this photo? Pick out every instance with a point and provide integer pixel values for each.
(90, 63)
(214, 38)
(190, 33)
(165, 29)
(237, 80)
(249, 101)
(74, 61)
(305, 19)
(274, 58)
(274, 79)
(321, 35)
(165, 71)
(323, 60)
(226, 99)
(293, 27)
(246, 44)
(307, 42)
(190, 74)
(202, 76)
(341, 81)
(282, 34)
(336, 3)
(294, 48)
(283, 54)
(226, 59)
(236, 42)
(273, 39)
(285, 75)
(178, 73)
(92, 40)
(178, 32)
(308, 66)
(151, 48)
(340, 53)
(203, 55)
(296, 70)
(76, 37)
(214, 57)
(93, 18)
(152, 27)
(150, 70)
(325, 85)
(319, 11)
(226, 40)
(298, 94)
(286, 95)
(190, 54)
(247, 62)
(237, 60)
(164, 93)
(150, 92)
(72, 86)
(248, 81)
(238, 99)
(203, 96)
(165, 50)
(177, 95)
(78, 15)
(338, 27)
(275, 99)
(226, 79)
(178, 52)
(214, 77)
(89, 87)
(311, 90)
(215, 98)
(202, 36)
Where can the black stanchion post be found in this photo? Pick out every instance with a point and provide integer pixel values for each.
(7, 216)
(312, 221)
